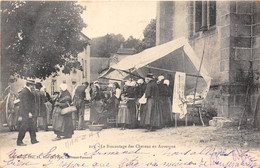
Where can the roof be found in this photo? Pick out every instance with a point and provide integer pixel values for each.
(83, 36)
(126, 51)
(114, 59)
(176, 55)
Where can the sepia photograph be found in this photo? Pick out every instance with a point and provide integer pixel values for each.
(130, 84)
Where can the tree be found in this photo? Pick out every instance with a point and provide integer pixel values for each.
(40, 38)
(149, 33)
(106, 45)
(132, 42)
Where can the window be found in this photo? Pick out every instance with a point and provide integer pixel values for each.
(74, 71)
(212, 13)
(83, 67)
(53, 86)
(205, 15)
(198, 15)
(74, 84)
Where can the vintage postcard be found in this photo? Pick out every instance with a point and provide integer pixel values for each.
(130, 84)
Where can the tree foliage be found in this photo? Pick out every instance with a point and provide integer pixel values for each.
(38, 38)
(106, 45)
(132, 42)
(109, 44)
(149, 33)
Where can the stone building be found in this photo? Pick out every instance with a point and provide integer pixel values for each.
(98, 65)
(121, 53)
(228, 33)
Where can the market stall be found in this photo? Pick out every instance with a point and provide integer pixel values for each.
(166, 59)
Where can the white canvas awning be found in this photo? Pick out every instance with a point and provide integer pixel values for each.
(176, 55)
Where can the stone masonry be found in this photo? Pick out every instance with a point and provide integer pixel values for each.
(230, 46)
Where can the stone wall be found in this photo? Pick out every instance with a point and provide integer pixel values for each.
(180, 19)
(164, 26)
(255, 51)
(228, 47)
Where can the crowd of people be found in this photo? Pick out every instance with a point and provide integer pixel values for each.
(37, 107)
(144, 103)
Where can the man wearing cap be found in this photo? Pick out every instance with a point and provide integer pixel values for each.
(78, 101)
(26, 111)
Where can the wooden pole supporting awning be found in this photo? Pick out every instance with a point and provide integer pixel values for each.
(171, 71)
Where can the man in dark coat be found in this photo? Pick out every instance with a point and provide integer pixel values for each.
(78, 101)
(26, 111)
(153, 115)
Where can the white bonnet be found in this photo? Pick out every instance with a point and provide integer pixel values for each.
(160, 78)
(133, 83)
(167, 82)
(63, 87)
(140, 81)
(128, 83)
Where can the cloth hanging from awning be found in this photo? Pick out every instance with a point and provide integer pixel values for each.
(178, 101)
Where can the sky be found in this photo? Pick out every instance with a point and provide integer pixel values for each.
(118, 17)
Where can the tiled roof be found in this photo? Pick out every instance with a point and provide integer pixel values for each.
(126, 51)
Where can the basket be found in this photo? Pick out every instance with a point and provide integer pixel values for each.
(68, 110)
(95, 127)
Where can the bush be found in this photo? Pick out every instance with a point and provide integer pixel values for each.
(208, 110)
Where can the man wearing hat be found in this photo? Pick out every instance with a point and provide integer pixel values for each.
(26, 111)
(78, 101)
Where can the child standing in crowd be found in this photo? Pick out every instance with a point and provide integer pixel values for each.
(124, 117)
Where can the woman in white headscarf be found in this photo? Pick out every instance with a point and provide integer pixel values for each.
(97, 103)
(162, 100)
(62, 124)
(167, 103)
(48, 105)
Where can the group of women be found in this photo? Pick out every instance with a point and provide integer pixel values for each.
(145, 104)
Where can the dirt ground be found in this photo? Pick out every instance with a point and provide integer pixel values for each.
(227, 137)
(181, 137)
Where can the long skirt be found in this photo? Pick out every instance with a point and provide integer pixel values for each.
(141, 109)
(124, 116)
(152, 115)
(165, 107)
(48, 110)
(42, 122)
(62, 124)
(257, 114)
(132, 109)
(117, 105)
(97, 108)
